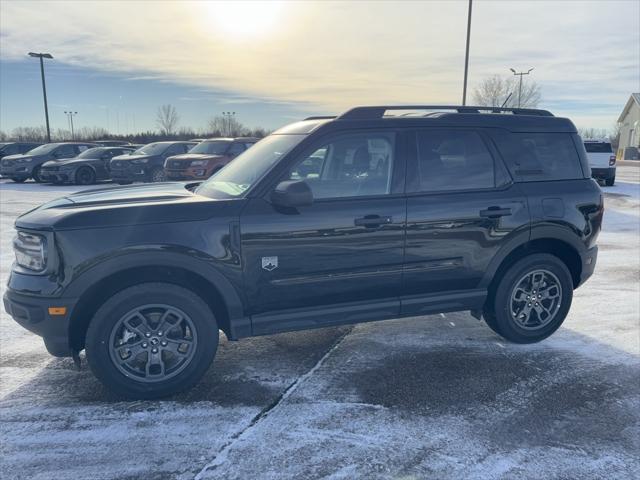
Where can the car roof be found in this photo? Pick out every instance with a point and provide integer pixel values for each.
(232, 139)
(410, 116)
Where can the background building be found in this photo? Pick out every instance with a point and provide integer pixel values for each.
(629, 122)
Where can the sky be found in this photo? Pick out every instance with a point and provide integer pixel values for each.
(276, 62)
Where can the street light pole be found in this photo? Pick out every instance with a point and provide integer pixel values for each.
(520, 74)
(70, 117)
(41, 56)
(466, 55)
(227, 117)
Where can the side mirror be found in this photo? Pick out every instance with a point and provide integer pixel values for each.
(292, 194)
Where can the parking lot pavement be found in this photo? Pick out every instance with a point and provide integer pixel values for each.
(428, 397)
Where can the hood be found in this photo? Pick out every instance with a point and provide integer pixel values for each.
(18, 156)
(194, 156)
(132, 157)
(123, 205)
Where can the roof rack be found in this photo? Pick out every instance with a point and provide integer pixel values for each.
(321, 117)
(369, 113)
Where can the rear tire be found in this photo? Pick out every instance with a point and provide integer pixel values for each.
(151, 340)
(531, 300)
(85, 176)
(610, 181)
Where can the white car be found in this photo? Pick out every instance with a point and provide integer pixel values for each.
(602, 160)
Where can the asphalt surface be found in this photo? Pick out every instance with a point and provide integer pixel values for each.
(428, 397)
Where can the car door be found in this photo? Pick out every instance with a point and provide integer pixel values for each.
(462, 207)
(345, 249)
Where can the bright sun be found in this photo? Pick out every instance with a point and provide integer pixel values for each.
(245, 18)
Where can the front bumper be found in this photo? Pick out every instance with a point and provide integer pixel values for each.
(56, 176)
(32, 313)
(188, 172)
(130, 173)
(603, 173)
(16, 171)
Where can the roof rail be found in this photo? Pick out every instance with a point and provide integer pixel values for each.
(321, 117)
(369, 113)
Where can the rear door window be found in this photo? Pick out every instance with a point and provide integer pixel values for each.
(66, 151)
(451, 160)
(540, 156)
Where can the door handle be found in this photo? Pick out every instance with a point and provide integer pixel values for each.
(371, 221)
(495, 212)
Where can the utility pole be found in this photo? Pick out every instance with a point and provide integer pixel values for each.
(520, 74)
(227, 117)
(70, 116)
(41, 56)
(466, 55)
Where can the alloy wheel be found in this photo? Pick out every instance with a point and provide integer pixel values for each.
(536, 299)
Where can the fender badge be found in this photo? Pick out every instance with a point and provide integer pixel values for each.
(269, 263)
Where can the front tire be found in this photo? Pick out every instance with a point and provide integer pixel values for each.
(531, 300)
(151, 340)
(18, 180)
(85, 176)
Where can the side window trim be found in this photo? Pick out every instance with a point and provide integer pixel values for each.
(398, 168)
(412, 184)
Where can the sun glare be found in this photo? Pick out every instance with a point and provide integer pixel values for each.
(245, 18)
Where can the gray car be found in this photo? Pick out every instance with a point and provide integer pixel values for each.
(27, 165)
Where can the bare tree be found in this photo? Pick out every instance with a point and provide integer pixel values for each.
(494, 92)
(229, 126)
(167, 119)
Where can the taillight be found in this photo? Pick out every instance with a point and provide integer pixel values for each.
(612, 160)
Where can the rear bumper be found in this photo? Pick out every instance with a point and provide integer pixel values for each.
(589, 259)
(31, 312)
(603, 173)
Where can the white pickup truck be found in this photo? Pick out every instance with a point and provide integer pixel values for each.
(602, 160)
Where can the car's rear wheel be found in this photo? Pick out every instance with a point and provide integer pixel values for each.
(531, 300)
(151, 340)
(85, 176)
(158, 175)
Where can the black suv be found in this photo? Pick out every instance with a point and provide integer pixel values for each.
(147, 163)
(381, 212)
(16, 148)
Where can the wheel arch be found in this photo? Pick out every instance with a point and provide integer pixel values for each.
(98, 284)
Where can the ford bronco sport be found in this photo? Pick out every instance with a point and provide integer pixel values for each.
(381, 212)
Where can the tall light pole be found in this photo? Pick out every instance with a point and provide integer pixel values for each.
(228, 116)
(70, 116)
(44, 88)
(520, 74)
(466, 55)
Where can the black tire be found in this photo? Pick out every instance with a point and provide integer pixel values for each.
(35, 174)
(610, 181)
(18, 180)
(85, 176)
(108, 318)
(158, 175)
(498, 311)
(123, 182)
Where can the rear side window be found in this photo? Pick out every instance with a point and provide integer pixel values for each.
(452, 160)
(598, 147)
(535, 157)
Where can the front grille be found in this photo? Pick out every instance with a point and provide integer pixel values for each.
(177, 164)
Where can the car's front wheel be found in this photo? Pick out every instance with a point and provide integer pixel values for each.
(531, 300)
(151, 340)
(85, 176)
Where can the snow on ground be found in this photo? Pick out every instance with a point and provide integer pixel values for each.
(428, 397)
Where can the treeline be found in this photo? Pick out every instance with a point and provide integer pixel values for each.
(87, 134)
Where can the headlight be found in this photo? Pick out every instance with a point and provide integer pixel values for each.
(140, 160)
(30, 250)
(24, 160)
(198, 163)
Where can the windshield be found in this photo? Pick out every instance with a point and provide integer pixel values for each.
(211, 148)
(152, 149)
(237, 177)
(92, 153)
(599, 147)
(42, 149)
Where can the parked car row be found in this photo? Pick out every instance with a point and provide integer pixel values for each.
(86, 163)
